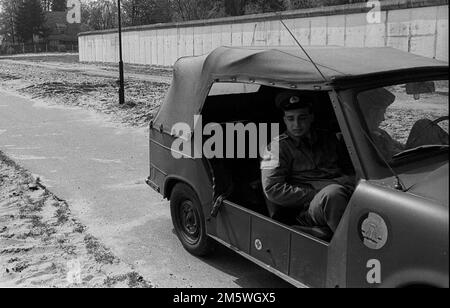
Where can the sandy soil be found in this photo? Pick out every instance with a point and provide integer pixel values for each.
(99, 93)
(43, 245)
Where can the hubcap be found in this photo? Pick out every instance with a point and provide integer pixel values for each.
(189, 222)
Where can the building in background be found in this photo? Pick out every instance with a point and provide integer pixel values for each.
(61, 34)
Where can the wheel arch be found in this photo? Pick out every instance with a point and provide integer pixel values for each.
(170, 183)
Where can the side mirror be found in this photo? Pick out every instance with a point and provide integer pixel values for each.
(417, 88)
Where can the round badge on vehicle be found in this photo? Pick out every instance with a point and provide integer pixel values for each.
(374, 231)
(258, 244)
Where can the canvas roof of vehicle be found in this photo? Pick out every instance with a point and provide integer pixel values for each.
(284, 67)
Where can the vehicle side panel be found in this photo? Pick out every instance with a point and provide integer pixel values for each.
(232, 225)
(274, 249)
(166, 171)
(286, 252)
(416, 250)
(308, 262)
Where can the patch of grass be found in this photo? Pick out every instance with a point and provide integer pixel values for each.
(12, 164)
(100, 253)
(69, 249)
(36, 221)
(133, 280)
(13, 260)
(39, 228)
(15, 250)
(21, 266)
(32, 206)
(62, 215)
(3, 179)
(64, 88)
(79, 228)
(6, 77)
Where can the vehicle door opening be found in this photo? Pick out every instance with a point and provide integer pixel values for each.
(238, 180)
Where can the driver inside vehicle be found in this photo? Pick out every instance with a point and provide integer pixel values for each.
(374, 104)
(303, 169)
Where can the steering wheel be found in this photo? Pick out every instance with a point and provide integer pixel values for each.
(416, 138)
(441, 119)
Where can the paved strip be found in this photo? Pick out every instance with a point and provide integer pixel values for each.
(100, 169)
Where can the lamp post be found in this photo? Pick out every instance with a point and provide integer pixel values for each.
(121, 78)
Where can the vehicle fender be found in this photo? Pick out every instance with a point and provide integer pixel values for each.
(416, 277)
(170, 183)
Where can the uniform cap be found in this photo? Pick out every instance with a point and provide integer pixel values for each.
(290, 100)
(378, 98)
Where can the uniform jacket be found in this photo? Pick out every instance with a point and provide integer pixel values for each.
(294, 170)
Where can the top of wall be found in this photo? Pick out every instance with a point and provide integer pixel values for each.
(303, 13)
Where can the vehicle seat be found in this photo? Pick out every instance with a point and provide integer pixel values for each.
(279, 213)
(323, 233)
(289, 217)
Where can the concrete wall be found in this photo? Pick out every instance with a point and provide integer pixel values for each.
(416, 26)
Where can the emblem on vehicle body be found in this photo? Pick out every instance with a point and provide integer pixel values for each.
(294, 100)
(258, 244)
(374, 231)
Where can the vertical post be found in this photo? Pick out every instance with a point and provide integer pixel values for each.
(121, 77)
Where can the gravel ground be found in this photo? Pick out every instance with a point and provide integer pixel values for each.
(97, 93)
(43, 245)
(44, 57)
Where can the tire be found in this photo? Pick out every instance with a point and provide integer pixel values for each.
(189, 221)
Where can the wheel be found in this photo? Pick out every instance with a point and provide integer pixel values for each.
(189, 221)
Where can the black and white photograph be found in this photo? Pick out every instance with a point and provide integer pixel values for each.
(224, 151)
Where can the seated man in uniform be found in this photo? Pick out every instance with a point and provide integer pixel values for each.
(374, 104)
(302, 172)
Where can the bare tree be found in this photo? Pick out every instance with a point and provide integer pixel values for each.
(235, 7)
(196, 9)
(264, 6)
(144, 12)
(100, 14)
(30, 21)
(9, 10)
